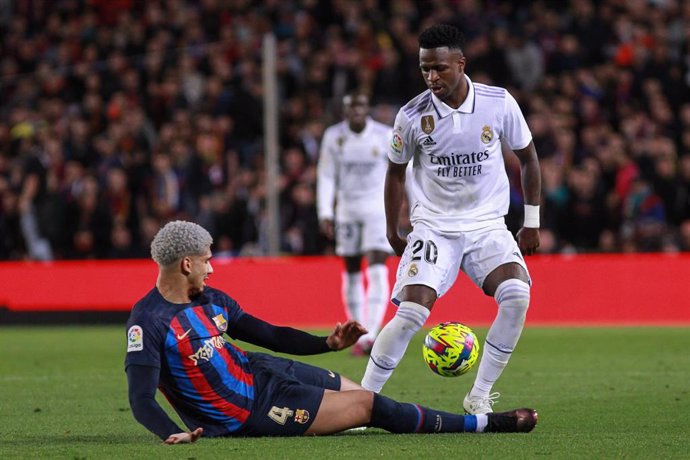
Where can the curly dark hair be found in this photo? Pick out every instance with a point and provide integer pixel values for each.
(440, 35)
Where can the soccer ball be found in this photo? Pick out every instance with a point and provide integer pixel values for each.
(450, 349)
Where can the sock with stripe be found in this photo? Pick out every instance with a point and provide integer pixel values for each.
(512, 297)
(391, 344)
(398, 417)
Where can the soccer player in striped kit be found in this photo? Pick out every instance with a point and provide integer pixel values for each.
(459, 195)
(351, 173)
(176, 342)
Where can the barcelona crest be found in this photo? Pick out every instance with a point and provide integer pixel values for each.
(301, 416)
(221, 323)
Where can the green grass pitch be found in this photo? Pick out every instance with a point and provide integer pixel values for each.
(600, 393)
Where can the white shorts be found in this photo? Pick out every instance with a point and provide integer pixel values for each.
(355, 237)
(433, 258)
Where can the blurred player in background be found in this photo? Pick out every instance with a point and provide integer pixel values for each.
(176, 342)
(453, 133)
(351, 174)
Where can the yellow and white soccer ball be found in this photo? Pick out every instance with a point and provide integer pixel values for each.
(450, 349)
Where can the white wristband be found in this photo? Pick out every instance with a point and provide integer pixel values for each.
(531, 216)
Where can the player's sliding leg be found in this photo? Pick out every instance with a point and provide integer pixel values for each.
(391, 343)
(512, 296)
(340, 411)
(399, 417)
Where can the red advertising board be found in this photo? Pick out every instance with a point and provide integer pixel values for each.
(305, 291)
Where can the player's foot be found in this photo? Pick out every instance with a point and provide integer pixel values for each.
(480, 404)
(515, 421)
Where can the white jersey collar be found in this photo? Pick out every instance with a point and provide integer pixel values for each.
(467, 105)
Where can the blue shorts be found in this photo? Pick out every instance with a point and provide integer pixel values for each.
(287, 396)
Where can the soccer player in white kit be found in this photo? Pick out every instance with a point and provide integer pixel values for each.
(459, 196)
(351, 174)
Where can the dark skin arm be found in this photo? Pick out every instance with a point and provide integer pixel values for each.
(528, 238)
(394, 192)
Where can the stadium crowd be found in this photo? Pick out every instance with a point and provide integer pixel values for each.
(120, 115)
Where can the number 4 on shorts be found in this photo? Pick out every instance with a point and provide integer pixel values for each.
(280, 415)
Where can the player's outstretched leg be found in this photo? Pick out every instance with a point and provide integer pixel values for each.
(340, 411)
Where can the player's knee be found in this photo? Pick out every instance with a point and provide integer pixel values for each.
(411, 315)
(513, 295)
(367, 403)
(361, 406)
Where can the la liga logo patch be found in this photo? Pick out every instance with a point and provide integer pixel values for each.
(135, 338)
(397, 142)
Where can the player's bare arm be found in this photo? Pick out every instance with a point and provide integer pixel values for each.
(528, 237)
(393, 198)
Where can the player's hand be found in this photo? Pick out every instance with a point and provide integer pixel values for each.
(345, 335)
(398, 244)
(528, 240)
(186, 437)
(327, 228)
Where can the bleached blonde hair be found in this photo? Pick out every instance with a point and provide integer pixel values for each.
(178, 239)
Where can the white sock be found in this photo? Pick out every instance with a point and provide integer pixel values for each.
(482, 422)
(512, 297)
(378, 294)
(353, 296)
(391, 344)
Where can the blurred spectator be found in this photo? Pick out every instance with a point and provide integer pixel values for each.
(584, 213)
(644, 223)
(120, 115)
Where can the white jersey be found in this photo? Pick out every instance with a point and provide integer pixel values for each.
(352, 171)
(459, 181)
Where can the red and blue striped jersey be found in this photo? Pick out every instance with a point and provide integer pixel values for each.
(205, 378)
